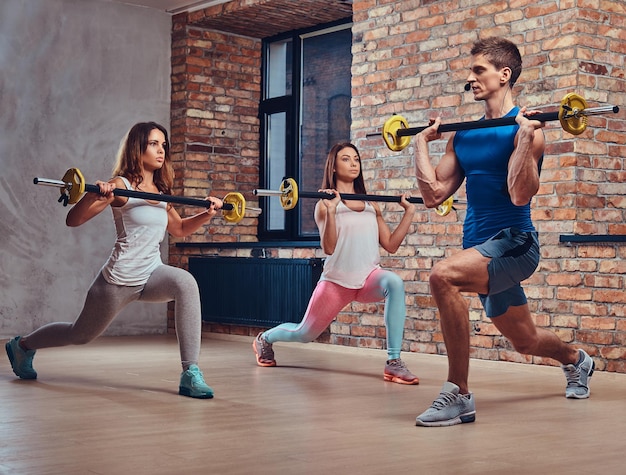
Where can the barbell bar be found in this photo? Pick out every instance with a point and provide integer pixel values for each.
(572, 115)
(289, 194)
(72, 187)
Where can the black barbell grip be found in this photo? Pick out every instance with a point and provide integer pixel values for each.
(155, 197)
(357, 197)
(478, 124)
(159, 197)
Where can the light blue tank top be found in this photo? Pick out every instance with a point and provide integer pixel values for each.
(484, 157)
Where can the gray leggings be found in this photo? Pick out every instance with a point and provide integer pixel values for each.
(104, 301)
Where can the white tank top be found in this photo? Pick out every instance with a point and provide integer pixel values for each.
(357, 252)
(140, 226)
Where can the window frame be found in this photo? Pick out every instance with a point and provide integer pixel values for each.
(291, 105)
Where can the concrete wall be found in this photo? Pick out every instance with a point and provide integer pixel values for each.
(74, 77)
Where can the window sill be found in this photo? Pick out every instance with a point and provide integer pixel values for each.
(249, 245)
(590, 239)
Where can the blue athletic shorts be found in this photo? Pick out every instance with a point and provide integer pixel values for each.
(514, 257)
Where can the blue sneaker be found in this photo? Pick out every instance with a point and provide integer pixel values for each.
(192, 384)
(578, 377)
(449, 408)
(21, 361)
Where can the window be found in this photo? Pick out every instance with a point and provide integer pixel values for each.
(305, 110)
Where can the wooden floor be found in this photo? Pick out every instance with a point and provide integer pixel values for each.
(112, 408)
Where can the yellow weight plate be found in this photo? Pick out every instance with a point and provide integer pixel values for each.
(76, 187)
(444, 208)
(239, 207)
(571, 114)
(390, 133)
(289, 197)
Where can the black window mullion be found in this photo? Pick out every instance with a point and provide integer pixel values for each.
(293, 159)
(296, 227)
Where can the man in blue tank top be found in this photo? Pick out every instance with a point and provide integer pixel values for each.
(500, 167)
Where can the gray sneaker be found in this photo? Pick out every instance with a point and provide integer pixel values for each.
(21, 361)
(578, 376)
(449, 408)
(264, 351)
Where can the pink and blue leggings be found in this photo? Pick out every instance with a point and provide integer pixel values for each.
(329, 299)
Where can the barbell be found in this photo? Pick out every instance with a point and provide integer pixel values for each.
(73, 186)
(289, 195)
(572, 115)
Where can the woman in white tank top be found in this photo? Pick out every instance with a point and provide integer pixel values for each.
(134, 270)
(350, 234)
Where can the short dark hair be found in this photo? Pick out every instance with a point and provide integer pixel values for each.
(502, 53)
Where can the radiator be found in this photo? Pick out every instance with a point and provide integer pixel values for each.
(254, 291)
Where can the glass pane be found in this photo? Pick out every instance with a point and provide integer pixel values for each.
(325, 109)
(276, 150)
(279, 70)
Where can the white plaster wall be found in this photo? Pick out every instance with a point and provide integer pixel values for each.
(75, 75)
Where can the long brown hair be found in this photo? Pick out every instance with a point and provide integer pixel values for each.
(135, 144)
(329, 181)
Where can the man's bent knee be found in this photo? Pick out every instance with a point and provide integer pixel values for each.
(527, 346)
(524, 349)
(437, 278)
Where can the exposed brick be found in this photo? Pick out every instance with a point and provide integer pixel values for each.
(410, 57)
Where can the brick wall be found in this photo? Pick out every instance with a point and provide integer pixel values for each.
(410, 57)
(215, 129)
(216, 84)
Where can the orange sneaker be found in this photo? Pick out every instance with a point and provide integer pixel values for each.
(264, 352)
(397, 372)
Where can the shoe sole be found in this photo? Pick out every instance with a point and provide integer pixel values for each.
(396, 379)
(258, 360)
(11, 356)
(578, 396)
(185, 392)
(462, 419)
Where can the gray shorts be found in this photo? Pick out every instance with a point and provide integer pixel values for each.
(514, 257)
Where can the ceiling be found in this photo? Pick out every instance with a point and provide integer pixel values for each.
(258, 19)
(172, 6)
